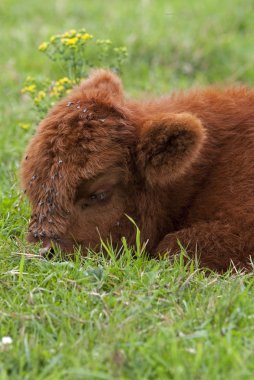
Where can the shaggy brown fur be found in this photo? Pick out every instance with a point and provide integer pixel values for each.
(182, 166)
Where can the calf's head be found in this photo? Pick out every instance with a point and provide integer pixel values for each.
(96, 158)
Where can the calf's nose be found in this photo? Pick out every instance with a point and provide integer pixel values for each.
(47, 250)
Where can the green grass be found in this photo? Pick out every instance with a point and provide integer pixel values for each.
(119, 317)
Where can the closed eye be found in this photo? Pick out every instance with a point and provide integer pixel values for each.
(95, 198)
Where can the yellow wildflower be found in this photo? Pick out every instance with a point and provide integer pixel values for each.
(70, 42)
(103, 42)
(43, 46)
(57, 90)
(52, 39)
(86, 37)
(64, 80)
(28, 89)
(24, 125)
(54, 92)
(121, 49)
(40, 96)
(70, 33)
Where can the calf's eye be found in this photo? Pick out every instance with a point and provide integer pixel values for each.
(101, 196)
(98, 196)
(95, 199)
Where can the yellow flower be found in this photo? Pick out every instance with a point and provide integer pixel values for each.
(40, 96)
(86, 37)
(70, 42)
(103, 42)
(52, 39)
(28, 89)
(54, 92)
(57, 90)
(64, 80)
(70, 33)
(43, 46)
(24, 125)
(121, 49)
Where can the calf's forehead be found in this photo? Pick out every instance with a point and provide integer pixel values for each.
(53, 178)
(43, 173)
(73, 143)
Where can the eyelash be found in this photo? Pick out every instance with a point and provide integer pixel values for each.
(94, 198)
(99, 196)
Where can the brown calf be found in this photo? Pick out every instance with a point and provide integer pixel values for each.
(182, 166)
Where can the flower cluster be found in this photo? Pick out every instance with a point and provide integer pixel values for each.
(29, 89)
(72, 39)
(76, 51)
(61, 87)
(45, 93)
(78, 38)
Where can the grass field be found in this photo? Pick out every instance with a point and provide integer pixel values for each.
(125, 318)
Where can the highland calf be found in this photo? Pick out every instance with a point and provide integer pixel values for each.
(182, 166)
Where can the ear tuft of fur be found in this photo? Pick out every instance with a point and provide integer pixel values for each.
(168, 146)
(104, 81)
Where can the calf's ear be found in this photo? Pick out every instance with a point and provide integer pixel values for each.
(168, 145)
(104, 81)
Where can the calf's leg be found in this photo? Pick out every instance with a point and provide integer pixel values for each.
(216, 245)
